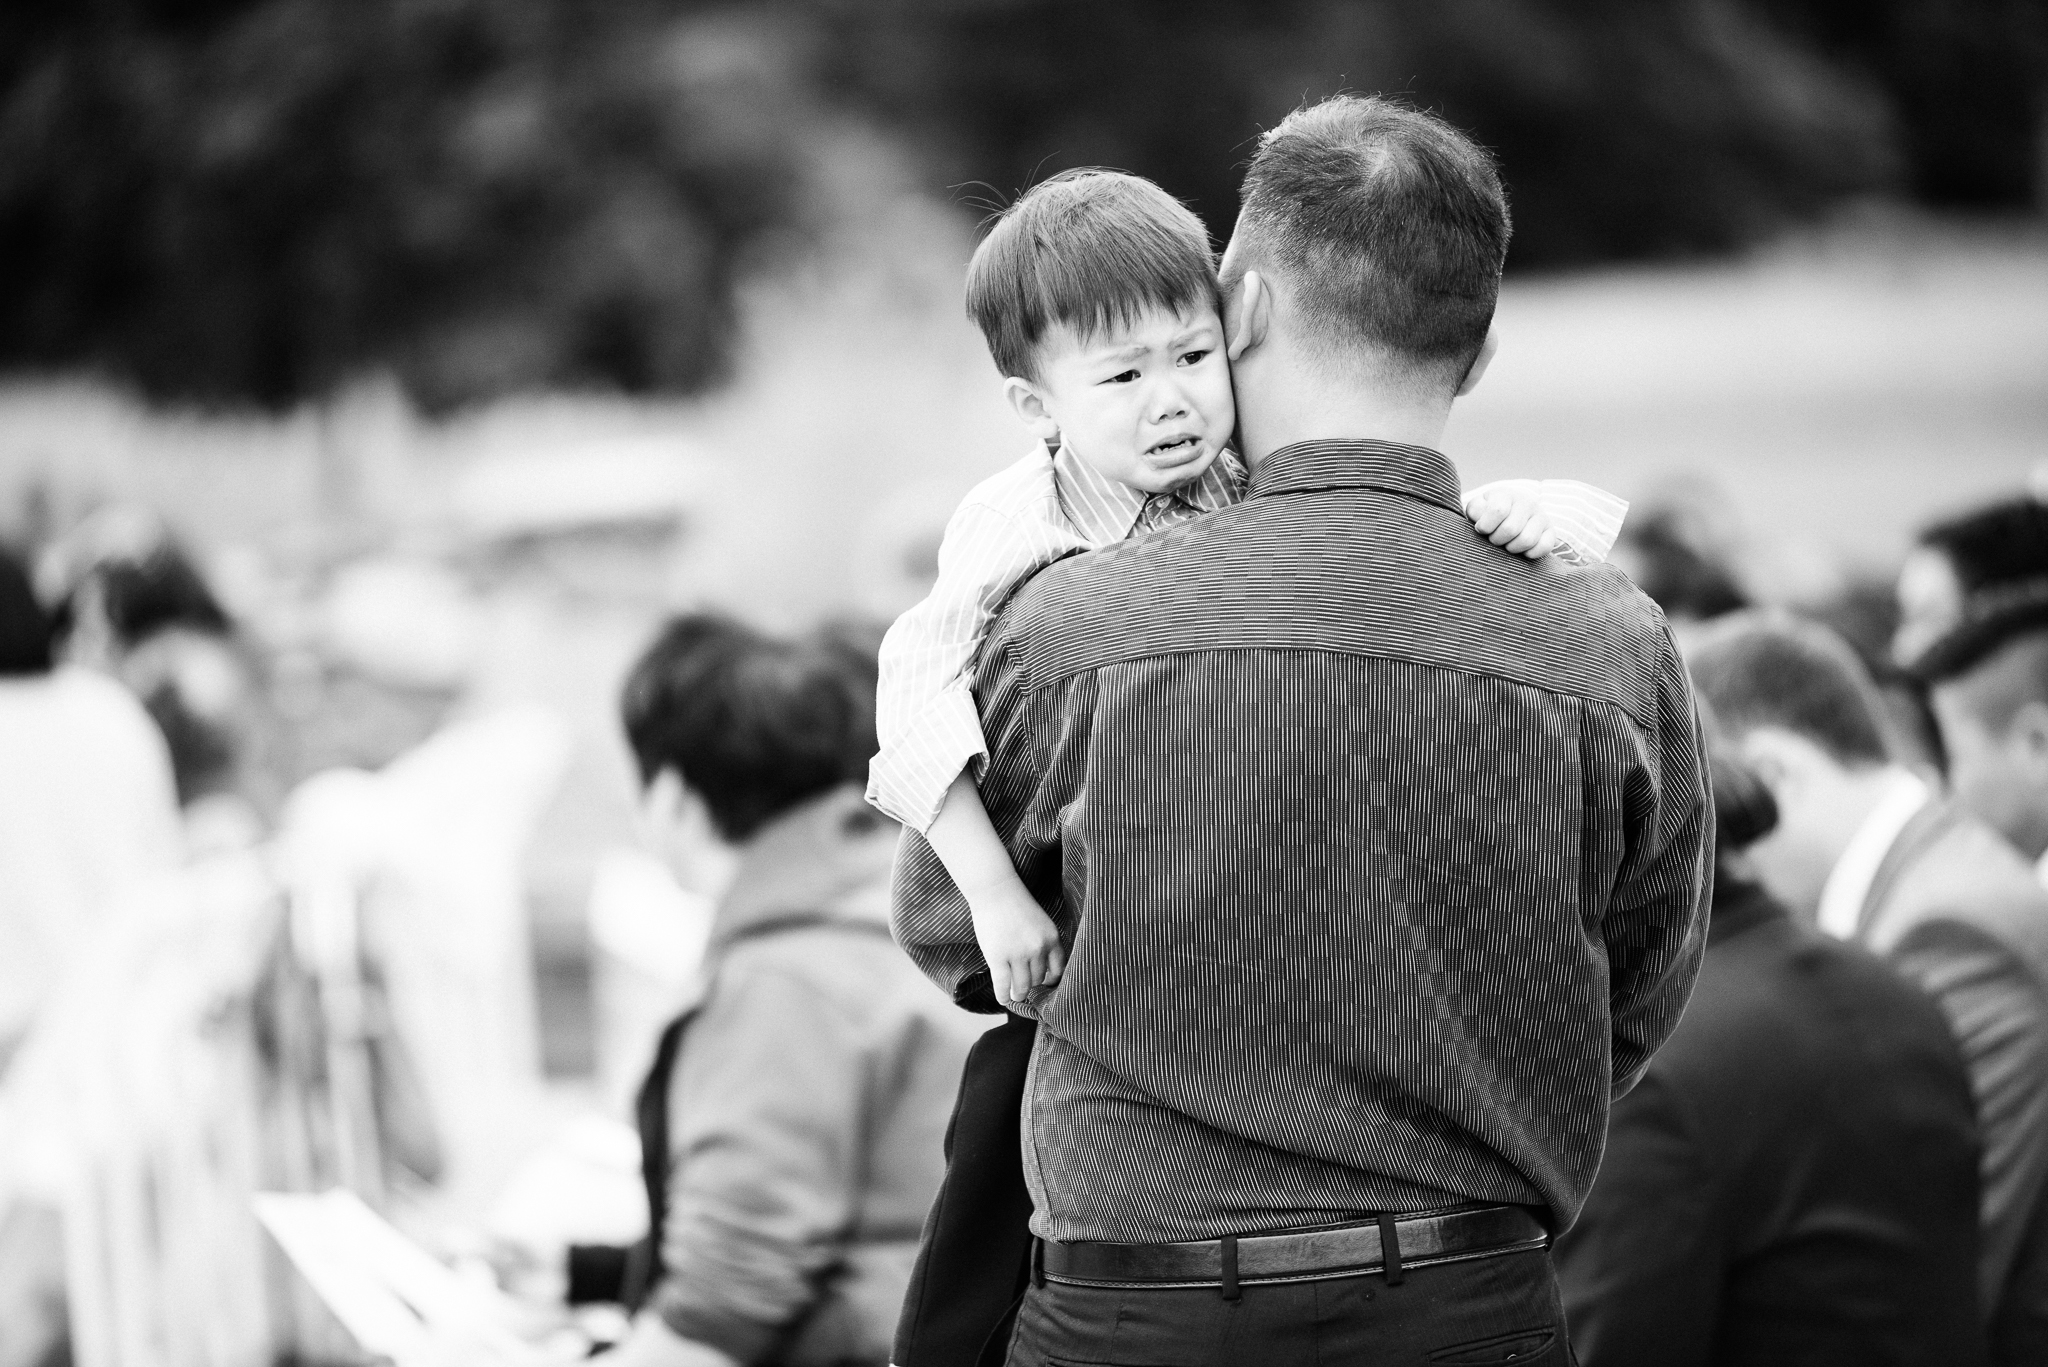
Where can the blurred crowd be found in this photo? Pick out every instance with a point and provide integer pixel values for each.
(1845, 1143)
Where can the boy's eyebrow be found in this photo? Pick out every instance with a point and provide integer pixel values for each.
(1137, 349)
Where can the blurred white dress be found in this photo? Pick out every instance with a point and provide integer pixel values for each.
(87, 807)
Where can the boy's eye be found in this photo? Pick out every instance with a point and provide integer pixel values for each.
(1194, 357)
(1122, 377)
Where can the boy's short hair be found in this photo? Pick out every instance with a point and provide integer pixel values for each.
(1090, 249)
(755, 725)
(1389, 225)
(1768, 668)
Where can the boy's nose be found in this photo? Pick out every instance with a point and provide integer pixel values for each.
(1168, 403)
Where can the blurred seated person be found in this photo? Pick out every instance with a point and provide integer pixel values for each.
(1996, 546)
(1794, 1180)
(87, 805)
(1870, 852)
(132, 603)
(792, 1123)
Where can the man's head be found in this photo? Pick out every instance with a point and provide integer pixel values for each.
(731, 729)
(1801, 711)
(1096, 292)
(1993, 716)
(1375, 235)
(2000, 544)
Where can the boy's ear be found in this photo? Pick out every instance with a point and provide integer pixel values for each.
(1027, 401)
(1249, 312)
(1480, 362)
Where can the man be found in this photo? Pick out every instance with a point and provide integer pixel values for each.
(1869, 852)
(791, 1122)
(1381, 854)
(1794, 1181)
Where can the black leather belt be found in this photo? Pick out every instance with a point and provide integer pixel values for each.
(1302, 1255)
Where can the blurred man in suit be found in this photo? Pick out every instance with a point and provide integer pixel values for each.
(1794, 1181)
(1870, 852)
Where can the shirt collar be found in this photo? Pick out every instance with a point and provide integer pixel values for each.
(1104, 510)
(1394, 467)
(1849, 883)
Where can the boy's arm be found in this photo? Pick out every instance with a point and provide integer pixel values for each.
(1584, 519)
(925, 718)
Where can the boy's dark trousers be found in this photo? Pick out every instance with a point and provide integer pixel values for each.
(975, 1258)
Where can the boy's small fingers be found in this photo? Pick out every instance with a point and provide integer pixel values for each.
(1546, 544)
(1485, 515)
(1510, 527)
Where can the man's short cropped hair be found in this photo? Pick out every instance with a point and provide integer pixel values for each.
(1763, 668)
(755, 725)
(1089, 250)
(1389, 226)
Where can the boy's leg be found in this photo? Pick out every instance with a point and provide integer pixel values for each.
(975, 1256)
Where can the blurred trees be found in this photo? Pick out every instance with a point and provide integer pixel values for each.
(256, 200)
(1626, 128)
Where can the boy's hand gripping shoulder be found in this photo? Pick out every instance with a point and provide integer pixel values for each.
(1576, 522)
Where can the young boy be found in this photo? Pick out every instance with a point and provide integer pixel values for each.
(1096, 292)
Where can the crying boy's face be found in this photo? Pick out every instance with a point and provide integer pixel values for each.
(1146, 403)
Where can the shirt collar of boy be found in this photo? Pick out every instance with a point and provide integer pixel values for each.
(1105, 511)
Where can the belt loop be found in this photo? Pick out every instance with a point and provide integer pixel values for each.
(1037, 1261)
(1390, 1251)
(1230, 1290)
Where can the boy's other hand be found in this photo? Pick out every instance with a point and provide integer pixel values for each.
(1018, 940)
(1509, 513)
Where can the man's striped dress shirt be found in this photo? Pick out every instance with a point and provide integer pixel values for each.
(1013, 524)
(1382, 856)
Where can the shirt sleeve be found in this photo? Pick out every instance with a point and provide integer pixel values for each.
(925, 718)
(1641, 1268)
(1025, 799)
(1999, 1018)
(1586, 518)
(767, 1126)
(1655, 923)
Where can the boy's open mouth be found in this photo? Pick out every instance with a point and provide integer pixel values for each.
(1174, 449)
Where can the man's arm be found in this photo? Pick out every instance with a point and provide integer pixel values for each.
(1655, 923)
(1641, 1268)
(1997, 1013)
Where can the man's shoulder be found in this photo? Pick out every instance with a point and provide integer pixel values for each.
(1966, 874)
(1417, 583)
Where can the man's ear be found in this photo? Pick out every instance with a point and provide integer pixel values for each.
(1250, 313)
(1477, 371)
(1027, 401)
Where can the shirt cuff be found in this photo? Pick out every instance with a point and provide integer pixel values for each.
(909, 778)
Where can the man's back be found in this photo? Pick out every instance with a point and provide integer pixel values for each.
(1377, 823)
(1957, 911)
(1795, 1181)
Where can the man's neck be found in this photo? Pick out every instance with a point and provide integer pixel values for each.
(1297, 405)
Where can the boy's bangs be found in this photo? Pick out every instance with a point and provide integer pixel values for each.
(1114, 281)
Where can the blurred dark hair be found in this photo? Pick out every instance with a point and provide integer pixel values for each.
(1680, 575)
(1089, 249)
(1390, 226)
(754, 724)
(1773, 669)
(147, 593)
(26, 637)
(1744, 810)
(2000, 543)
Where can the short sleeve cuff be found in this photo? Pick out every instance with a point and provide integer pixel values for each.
(1587, 519)
(908, 779)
